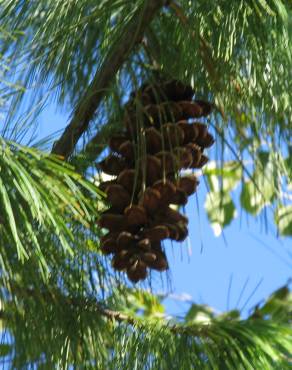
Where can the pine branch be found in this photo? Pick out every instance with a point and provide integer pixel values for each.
(220, 342)
(173, 328)
(93, 148)
(41, 198)
(92, 305)
(118, 53)
(204, 48)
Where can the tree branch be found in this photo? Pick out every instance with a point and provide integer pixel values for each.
(90, 304)
(94, 147)
(117, 54)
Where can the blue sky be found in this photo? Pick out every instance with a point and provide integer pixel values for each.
(219, 267)
(236, 270)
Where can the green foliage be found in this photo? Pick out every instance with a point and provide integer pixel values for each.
(278, 306)
(63, 45)
(86, 333)
(222, 180)
(283, 218)
(224, 47)
(40, 194)
(137, 302)
(262, 186)
(199, 313)
(260, 190)
(220, 210)
(61, 304)
(5, 349)
(226, 177)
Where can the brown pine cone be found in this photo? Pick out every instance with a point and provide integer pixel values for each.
(147, 156)
(116, 141)
(112, 165)
(113, 222)
(166, 190)
(137, 271)
(135, 215)
(130, 180)
(153, 140)
(188, 184)
(150, 200)
(118, 197)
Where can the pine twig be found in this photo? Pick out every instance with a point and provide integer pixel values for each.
(95, 92)
(94, 147)
(94, 306)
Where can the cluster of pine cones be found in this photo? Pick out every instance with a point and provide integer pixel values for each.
(159, 139)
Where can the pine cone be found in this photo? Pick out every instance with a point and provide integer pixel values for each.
(146, 158)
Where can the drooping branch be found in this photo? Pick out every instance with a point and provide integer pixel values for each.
(95, 92)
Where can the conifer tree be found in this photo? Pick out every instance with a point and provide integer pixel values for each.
(155, 83)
